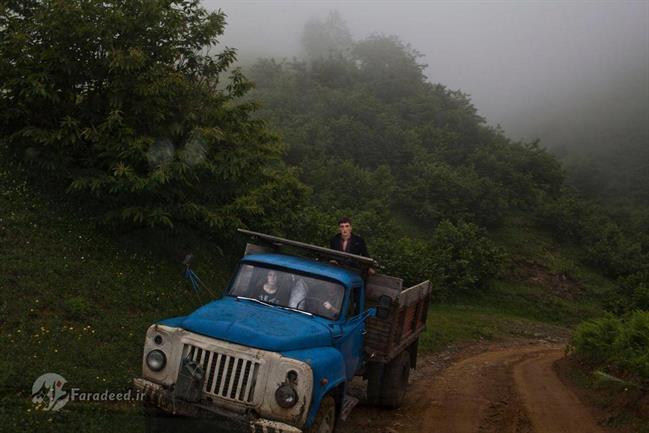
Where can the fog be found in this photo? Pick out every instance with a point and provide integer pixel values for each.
(539, 69)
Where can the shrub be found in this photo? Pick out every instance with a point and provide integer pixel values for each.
(593, 340)
(608, 341)
(407, 258)
(459, 258)
(631, 347)
(608, 248)
(466, 259)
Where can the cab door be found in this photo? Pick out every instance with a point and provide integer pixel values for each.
(350, 332)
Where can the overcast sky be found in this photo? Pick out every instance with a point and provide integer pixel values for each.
(517, 59)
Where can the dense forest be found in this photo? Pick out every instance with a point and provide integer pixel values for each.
(127, 116)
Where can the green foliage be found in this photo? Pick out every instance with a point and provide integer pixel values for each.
(618, 251)
(530, 172)
(607, 246)
(123, 102)
(632, 345)
(569, 216)
(411, 259)
(436, 191)
(466, 257)
(621, 343)
(613, 251)
(459, 259)
(636, 289)
(276, 205)
(594, 339)
(348, 184)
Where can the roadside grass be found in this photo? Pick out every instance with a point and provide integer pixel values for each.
(77, 301)
(76, 416)
(450, 324)
(538, 303)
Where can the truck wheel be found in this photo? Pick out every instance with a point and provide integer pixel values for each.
(395, 381)
(325, 419)
(413, 351)
(374, 380)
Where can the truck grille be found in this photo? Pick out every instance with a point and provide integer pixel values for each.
(226, 376)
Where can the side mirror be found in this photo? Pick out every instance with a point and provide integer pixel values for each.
(384, 307)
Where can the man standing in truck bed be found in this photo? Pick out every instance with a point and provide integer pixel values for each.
(346, 241)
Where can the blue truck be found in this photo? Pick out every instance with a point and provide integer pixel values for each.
(278, 351)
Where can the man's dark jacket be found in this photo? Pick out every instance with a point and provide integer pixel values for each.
(356, 245)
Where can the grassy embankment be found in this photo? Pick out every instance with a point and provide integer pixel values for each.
(76, 300)
(622, 405)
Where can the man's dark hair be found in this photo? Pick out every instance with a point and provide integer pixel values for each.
(344, 220)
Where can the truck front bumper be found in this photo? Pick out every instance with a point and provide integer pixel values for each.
(164, 399)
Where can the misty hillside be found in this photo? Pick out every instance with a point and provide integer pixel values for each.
(601, 135)
(371, 134)
(572, 75)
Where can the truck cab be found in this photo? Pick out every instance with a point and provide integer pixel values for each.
(275, 352)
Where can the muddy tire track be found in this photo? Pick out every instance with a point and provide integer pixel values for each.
(502, 390)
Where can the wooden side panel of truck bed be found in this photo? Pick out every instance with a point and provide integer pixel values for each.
(386, 338)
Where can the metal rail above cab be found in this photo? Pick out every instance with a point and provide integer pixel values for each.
(275, 244)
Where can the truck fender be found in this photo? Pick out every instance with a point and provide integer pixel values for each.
(329, 374)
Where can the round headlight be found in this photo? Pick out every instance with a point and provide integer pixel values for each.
(286, 396)
(156, 360)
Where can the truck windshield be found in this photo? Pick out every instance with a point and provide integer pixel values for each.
(286, 289)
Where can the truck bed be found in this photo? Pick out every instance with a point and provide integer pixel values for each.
(386, 338)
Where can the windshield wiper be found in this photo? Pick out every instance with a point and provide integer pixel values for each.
(255, 300)
(245, 298)
(295, 309)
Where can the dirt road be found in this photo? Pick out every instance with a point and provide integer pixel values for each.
(502, 390)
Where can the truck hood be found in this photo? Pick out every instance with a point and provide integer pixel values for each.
(254, 325)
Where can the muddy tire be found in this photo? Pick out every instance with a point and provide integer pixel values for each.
(395, 381)
(374, 381)
(325, 419)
